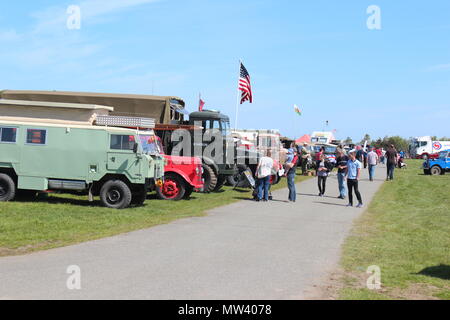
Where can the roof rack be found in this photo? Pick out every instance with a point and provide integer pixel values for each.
(126, 122)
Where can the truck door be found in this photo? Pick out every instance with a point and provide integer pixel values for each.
(121, 158)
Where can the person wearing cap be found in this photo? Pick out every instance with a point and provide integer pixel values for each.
(353, 173)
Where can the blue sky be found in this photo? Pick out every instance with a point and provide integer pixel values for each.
(318, 54)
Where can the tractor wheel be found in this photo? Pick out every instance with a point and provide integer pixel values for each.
(210, 179)
(174, 188)
(436, 171)
(7, 188)
(116, 194)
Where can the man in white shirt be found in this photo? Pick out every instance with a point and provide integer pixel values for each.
(372, 160)
(263, 173)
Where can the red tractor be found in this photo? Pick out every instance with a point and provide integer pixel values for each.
(182, 175)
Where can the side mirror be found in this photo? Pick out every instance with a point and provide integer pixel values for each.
(135, 147)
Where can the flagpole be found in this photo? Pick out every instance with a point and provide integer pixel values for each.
(238, 97)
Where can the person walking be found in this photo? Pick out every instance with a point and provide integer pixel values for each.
(263, 173)
(353, 174)
(291, 169)
(322, 175)
(318, 155)
(391, 161)
(372, 160)
(341, 164)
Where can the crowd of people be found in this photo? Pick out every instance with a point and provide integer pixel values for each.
(347, 163)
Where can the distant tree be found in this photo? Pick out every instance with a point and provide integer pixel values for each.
(348, 140)
(366, 138)
(444, 139)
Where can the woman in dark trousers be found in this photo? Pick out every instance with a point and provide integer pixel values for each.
(353, 174)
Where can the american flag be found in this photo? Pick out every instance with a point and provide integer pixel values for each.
(245, 85)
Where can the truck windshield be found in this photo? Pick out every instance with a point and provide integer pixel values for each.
(443, 155)
(226, 128)
(150, 144)
(419, 144)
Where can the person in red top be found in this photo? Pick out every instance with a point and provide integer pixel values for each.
(379, 153)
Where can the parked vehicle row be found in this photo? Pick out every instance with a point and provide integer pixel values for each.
(82, 143)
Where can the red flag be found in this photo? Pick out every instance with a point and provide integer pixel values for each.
(201, 104)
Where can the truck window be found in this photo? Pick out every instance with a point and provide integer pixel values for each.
(36, 136)
(8, 134)
(122, 142)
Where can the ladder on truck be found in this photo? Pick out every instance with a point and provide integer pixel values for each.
(125, 122)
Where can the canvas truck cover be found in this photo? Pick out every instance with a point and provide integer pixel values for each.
(51, 112)
(162, 109)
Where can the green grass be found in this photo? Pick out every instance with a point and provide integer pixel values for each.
(63, 220)
(406, 232)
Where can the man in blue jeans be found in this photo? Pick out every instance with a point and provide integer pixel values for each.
(291, 168)
(341, 164)
(391, 157)
(372, 159)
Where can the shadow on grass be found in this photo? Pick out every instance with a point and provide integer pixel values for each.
(442, 272)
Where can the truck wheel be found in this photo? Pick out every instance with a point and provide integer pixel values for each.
(426, 172)
(210, 178)
(174, 188)
(220, 182)
(139, 197)
(7, 188)
(116, 194)
(188, 193)
(436, 171)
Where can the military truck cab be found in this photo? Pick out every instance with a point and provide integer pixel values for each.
(216, 171)
(64, 147)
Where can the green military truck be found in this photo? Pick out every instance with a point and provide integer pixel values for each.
(169, 113)
(66, 148)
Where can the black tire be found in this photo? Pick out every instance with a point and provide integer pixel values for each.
(220, 183)
(188, 193)
(210, 179)
(436, 171)
(426, 172)
(138, 198)
(115, 194)
(174, 188)
(7, 188)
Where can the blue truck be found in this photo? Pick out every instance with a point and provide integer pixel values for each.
(439, 165)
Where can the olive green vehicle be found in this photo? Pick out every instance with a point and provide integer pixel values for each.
(61, 147)
(169, 113)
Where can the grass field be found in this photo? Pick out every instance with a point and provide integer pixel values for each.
(406, 232)
(62, 220)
